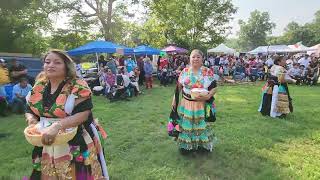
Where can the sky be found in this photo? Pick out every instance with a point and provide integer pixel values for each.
(281, 12)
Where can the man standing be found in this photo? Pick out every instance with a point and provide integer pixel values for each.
(19, 93)
(130, 64)
(140, 63)
(112, 64)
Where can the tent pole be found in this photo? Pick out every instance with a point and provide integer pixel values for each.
(97, 61)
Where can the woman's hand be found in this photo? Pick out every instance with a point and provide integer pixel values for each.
(50, 133)
(203, 97)
(31, 119)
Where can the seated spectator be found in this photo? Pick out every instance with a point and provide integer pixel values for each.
(164, 76)
(128, 86)
(312, 75)
(120, 90)
(4, 77)
(110, 82)
(239, 73)
(303, 73)
(295, 73)
(253, 74)
(134, 78)
(19, 93)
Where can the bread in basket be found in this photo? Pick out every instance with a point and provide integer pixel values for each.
(198, 92)
(33, 135)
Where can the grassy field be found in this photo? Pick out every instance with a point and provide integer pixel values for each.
(250, 146)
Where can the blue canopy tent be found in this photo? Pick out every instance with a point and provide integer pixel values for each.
(146, 50)
(94, 47)
(125, 50)
(99, 46)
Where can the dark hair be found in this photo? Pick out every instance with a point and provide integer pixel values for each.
(23, 79)
(278, 59)
(70, 67)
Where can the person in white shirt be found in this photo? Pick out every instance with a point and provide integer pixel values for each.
(295, 73)
(305, 61)
(269, 62)
(289, 63)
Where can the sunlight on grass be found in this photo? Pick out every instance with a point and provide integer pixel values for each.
(250, 146)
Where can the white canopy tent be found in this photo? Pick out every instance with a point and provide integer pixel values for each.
(299, 47)
(270, 49)
(316, 50)
(222, 48)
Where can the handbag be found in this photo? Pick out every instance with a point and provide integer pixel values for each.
(173, 125)
(210, 107)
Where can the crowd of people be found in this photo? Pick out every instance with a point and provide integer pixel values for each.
(120, 78)
(63, 100)
(300, 70)
(20, 84)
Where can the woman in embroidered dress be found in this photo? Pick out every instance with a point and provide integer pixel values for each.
(195, 133)
(59, 98)
(276, 100)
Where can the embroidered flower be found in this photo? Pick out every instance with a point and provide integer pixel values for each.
(36, 97)
(74, 90)
(61, 100)
(82, 83)
(59, 113)
(187, 81)
(85, 93)
(38, 88)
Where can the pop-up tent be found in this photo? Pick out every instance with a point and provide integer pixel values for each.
(146, 50)
(315, 51)
(270, 49)
(94, 47)
(299, 47)
(174, 49)
(222, 48)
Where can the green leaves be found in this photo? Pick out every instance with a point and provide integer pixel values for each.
(192, 24)
(254, 32)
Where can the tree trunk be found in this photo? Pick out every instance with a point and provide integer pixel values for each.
(107, 26)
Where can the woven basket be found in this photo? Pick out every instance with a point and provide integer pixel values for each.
(61, 138)
(197, 92)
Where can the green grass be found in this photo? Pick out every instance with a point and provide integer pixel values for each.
(250, 146)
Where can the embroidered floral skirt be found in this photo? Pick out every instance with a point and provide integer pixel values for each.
(79, 159)
(194, 131)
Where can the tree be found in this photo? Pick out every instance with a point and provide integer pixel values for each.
(22, 26)
(191, 23)
(108, 13)
(254, 32)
